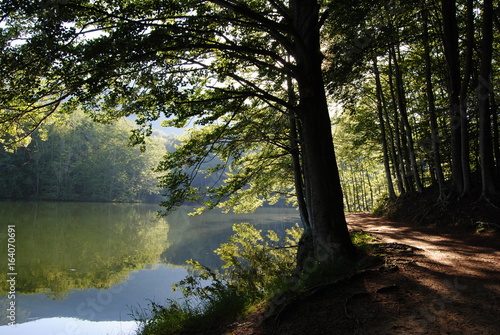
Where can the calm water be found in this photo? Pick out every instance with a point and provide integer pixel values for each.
(81, 267)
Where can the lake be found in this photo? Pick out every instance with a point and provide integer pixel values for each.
(80, 268)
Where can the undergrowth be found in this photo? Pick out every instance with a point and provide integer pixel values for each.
(256, 268)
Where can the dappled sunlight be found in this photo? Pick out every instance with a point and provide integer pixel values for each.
(446, 283)
(456, 252)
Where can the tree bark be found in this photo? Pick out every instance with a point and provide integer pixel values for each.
(485, 89)
(401, 98)
(432, 109)
(397, 134)
(496, 136)
(464, 129)
(450, 40)
(296, 161)
(329, 234)
(392, 144)
(392, 193)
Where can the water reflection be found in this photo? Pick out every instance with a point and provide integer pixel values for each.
(66, 246)
(196, 237)
(91, 261)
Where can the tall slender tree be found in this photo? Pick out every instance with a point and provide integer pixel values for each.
(380, 113)
(432, 106)
(484, 91)
(451, 51)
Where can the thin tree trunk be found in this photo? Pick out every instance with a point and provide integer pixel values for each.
(298, 173)
(370, 187)
(392, 193)
(485, 89)
(464, 129)
(392, 145)
(432, 110)
(496, 137)
(450, 40)
(295, 153)
(398, 136)
(404, 117)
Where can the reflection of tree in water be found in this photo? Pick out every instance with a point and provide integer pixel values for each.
(196, 237)
(64, 246)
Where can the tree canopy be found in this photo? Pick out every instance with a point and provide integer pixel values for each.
(254, 77)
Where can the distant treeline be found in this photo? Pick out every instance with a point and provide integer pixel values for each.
(79, 160)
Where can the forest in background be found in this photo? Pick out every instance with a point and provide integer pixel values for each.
(75, 159)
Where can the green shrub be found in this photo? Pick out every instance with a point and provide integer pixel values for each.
(362, 240)
(255, 268)
(257, 264)
(203, 308)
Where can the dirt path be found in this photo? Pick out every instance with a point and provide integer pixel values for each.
(450, 283)
(435, 281)
(454, 253)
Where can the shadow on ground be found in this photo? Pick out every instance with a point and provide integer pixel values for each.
(433, 281)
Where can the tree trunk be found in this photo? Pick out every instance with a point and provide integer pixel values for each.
(496, 137)
(397, 134)
(464, 129)
(485, 89)
(450, 40)
(392, 144)
(296, 162)
(404, 117)
(329, 235)
(392, 193)
(432, 109)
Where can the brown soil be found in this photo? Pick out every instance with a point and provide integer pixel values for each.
(434, 281)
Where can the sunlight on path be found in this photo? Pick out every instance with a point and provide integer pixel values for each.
(451, 283)
(456, 253)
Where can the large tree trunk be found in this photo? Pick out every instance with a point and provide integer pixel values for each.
(330, 238)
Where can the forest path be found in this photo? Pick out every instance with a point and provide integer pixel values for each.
(435, 280)
(453, 252)
(452, 278)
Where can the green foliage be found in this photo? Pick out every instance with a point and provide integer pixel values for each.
(256, 264)
(359, 160)
(208, 302)
(77, 159)
(362, 240)
(215, 65)
(234, 165)
(256, 267)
